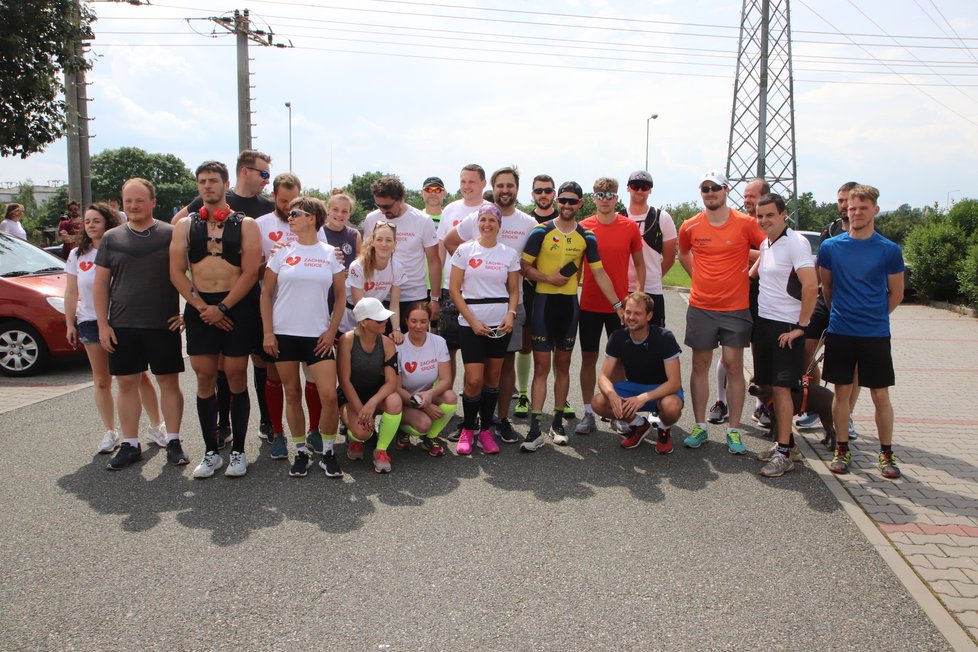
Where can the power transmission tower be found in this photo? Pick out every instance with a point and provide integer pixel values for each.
(762, 122)
(240, 26)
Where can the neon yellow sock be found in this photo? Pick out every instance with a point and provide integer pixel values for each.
(299, 442)
(524, 363)
(387, 430)
(439, 424)
(411, 431)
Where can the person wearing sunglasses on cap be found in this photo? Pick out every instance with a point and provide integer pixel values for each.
(714, 249)
(485, 286)
(299, 328)
(553, 257)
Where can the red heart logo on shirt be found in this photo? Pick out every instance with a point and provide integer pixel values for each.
(86, 265)
(368, 286)
(275, 236)
(455, 223)
(474, 262)
(410, 367)
(293, 260)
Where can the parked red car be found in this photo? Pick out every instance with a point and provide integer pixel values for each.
(32, 308)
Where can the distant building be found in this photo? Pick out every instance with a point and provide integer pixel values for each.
(41, 193)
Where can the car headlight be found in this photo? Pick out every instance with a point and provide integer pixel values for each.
(58, 303)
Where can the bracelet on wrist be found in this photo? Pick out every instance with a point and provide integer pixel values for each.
(618, 305)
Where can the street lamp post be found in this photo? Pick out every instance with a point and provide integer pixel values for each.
(288, 105)
(648, 143)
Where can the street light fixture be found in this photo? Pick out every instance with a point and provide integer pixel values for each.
(288, 105)
(647, 141)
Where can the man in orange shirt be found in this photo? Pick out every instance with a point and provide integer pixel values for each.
(714, 249)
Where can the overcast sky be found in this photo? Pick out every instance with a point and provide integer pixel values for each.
(563, 87)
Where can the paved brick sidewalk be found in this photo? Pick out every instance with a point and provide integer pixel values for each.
(931, 514)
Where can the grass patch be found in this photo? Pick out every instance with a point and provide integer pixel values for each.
(677, 276)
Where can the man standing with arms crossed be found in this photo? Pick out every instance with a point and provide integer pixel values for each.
(222, 250)
(862, 282)
(714, 250)
(137, 309)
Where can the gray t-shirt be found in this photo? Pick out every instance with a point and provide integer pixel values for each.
(140, 292)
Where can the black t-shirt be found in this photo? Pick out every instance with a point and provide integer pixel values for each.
(644, 361)
(541, 218)
(253, 207)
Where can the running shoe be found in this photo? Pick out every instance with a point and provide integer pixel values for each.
(735, 444)
(300, 465)
(777, 466)
(534, 441)
(697, 437)
(663, 441)
(853, 435)
(522, 409)
(433, 445)
(762, 417)
(717, 413)
(888, 466)
(382, 462)
(314, 440)
(224, 436)
(280, 448)
(330, 464)
(807, 420)
(454, 435)
(586, 425)
(354, 449)
(766, 455)
(840, 461)
(212, 462)
(568, 411)
(264, 430)
(237, 465)
(109, 442)
(126, 455)
(487, 443)
(636, 435)
(559, 435)
(175, 454)
(402, 441)
(621, 427)
(465, 441)
(506, 433)
(156, 436)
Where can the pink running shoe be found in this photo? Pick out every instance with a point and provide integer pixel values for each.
(487, 443)
(465, 438)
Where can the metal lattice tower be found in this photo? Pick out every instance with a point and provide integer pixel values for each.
(762, 122)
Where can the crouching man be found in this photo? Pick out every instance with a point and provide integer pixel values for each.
(649, 357)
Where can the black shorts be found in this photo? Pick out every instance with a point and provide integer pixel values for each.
(294, 348)
(554, 323)
(159, 349)
(774, 365)
(843, 353)
(448, 321)
(819, 321)
(364, 394)
(590, 325)
(476, 348)
(529, 291)
(659, 311)
(203, 339)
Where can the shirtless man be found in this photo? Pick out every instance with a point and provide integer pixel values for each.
(223, 251)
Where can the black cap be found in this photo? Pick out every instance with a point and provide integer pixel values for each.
(571, 186)
(433, 181)
(640, 176)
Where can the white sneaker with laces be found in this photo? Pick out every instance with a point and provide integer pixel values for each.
(586, 424)
(157, 436)
(237, 465)
(212, 462)
(109, 442)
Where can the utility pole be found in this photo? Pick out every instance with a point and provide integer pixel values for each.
(76, 100)
(240, 25)
(762, 122)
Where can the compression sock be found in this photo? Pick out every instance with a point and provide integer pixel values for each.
(524, 364)
(387, 430)
(261, 375)
(275, 398)
(470, 411)
(721, 382)
(439, 424)
(223, 400)
(490, 396)
(314, 404)
(412, 431)
(240, 411)
(207, 416)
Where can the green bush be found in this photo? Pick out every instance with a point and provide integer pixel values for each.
(935, 250)
(968, 276)
(964, 215)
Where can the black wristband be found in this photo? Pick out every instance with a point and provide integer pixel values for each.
(224, 309)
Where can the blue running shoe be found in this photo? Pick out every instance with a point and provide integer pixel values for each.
(807, 420)
(853, 435)
(280, 449)
(697, 437)
(314, 440)
(734, 443)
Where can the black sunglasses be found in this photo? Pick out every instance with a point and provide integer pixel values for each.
(542, 191)
(713, 188)
(568, 200)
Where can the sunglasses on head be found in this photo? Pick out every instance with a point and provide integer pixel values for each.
(568, 200)
(264, 174)
(295, 212)
(389, 225)
(434, 189)
(713, 188)
(542, 191)
(605, 195)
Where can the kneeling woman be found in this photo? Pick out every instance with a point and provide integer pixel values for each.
(485, 286)
(426, 381)
(367, 365)
(299, 327)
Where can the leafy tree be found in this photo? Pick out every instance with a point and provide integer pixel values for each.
(36, 46)
(359, 187)
(52, 210)
(964, 215)
(935, 250)
(968, 276)
(897, 225)
(682, 212)
(175, 184)
(810, 215)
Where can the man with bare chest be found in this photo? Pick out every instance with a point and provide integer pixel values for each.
(222, 250)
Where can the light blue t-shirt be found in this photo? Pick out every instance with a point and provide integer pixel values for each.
(860, 292)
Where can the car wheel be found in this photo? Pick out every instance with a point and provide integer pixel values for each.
(22, 350)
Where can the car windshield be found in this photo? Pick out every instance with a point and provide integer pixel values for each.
(19, 258)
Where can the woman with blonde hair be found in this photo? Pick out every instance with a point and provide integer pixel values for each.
(375, 274)
(13, 214)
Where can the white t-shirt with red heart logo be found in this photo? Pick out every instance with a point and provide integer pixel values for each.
(486, 273)
(419, 364)
(83, 268)
(379, 287)
(275, 230)
(305, 275)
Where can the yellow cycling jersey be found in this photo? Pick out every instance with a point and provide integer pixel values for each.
(552, 250)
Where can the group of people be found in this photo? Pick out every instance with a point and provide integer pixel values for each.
(372, 320)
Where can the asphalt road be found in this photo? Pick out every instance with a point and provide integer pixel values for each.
(584, 547)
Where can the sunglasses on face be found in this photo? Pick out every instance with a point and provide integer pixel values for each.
(543, 191)
(295, 212)
(568, 200)
(605, 195)
(434, 189)
(639, 186)
(713, 188)
(264, 174)
(384, 207)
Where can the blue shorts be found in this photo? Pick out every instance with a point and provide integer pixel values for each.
(628, 389)
(88, 332)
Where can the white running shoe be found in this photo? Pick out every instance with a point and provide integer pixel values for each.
(212, 462)
(109, 442)
(237, 465)
(586, 424)
(157, 436)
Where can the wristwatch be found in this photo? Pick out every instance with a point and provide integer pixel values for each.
(801, 326)
(224, 309)
(616, 306)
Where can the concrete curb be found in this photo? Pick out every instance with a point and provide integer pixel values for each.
(944, 305)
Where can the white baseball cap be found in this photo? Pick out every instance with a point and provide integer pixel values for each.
(717, 177)
(371, 308)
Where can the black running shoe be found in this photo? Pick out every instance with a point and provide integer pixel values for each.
(331, 465)
(506, 433)
(126, 455)
(175, 454)
(300, 465)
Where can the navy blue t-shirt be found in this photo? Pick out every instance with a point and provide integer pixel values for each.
(645, 361)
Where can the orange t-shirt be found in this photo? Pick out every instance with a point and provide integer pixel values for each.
(616, 244)
(720, 260)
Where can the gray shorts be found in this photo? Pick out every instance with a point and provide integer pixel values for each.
(706, 328)
(516, 342)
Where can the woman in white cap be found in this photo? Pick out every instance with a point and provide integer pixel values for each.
(298, 327)
(367, 366)
(484, 286)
